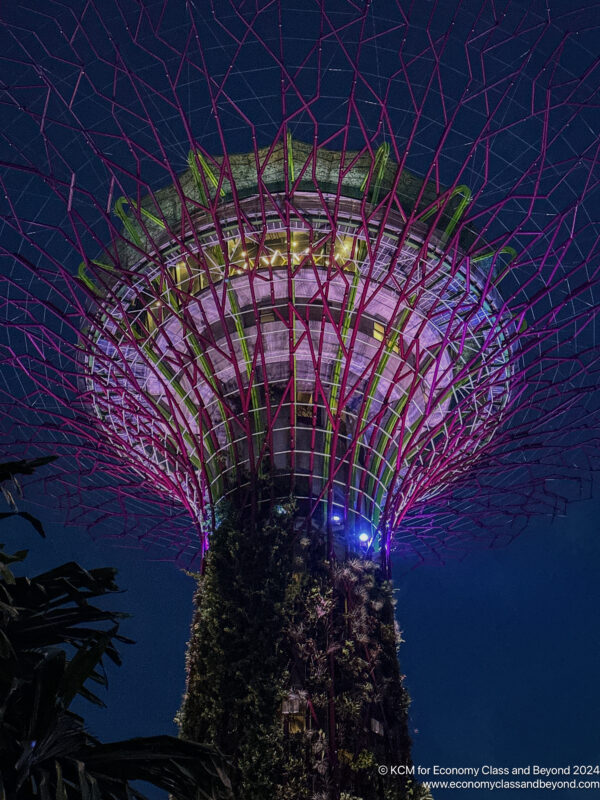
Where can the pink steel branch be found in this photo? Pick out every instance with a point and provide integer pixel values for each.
(472, 319)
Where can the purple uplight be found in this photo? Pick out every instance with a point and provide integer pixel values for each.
(361, 260)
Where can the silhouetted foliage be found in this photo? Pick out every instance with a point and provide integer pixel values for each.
(53, 640)
(24, 466)
(8, 474)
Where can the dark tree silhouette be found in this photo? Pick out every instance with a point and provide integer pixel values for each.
(53, 640)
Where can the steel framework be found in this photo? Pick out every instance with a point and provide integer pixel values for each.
(357, 256)
(351, 352)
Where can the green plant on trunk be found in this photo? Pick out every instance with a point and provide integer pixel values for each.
(292, 664)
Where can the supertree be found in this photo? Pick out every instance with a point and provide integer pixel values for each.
(287, 287)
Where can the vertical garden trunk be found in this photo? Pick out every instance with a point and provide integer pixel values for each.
(292, 666)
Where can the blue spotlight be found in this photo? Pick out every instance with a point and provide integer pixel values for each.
(363, 537)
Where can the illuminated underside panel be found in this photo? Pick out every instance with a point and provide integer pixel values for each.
(347, 252)
(345, 359)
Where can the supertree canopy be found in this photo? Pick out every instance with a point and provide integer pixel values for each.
(330, 269)
(357, 256)
(345, 350)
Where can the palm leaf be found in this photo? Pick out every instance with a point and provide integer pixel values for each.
(183, 768)
(45, 751)
(34, 521)
(24, 466)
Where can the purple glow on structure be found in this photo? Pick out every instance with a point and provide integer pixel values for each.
(349, 249)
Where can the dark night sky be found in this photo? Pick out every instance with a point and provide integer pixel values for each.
(502, 651)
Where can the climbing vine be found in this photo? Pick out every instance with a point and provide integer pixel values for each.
(292, 665)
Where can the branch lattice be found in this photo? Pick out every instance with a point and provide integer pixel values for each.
(350, 245)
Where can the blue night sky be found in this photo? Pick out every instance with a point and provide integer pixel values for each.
(501, 652)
